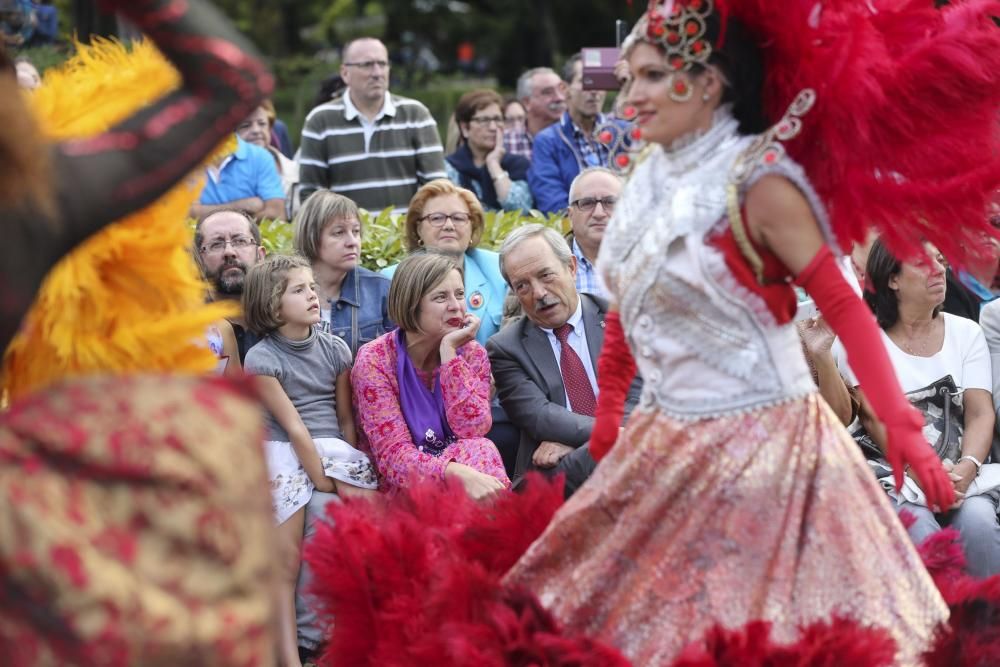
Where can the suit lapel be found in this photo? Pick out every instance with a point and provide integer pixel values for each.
(593, 324)
(536, 344)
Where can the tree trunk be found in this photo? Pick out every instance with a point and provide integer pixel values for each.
(89, 21)
(290, 27)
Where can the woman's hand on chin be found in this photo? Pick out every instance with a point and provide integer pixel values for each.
(477, 484)
(459, 337)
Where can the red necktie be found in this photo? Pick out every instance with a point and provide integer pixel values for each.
(578, 388)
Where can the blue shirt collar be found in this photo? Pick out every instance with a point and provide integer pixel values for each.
(242, 149)
(580, 257)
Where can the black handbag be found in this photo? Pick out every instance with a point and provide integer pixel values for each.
(944, 421)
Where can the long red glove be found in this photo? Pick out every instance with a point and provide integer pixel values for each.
(853, 322)
(615, 372)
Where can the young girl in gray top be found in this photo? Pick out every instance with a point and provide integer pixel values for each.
(303, 375)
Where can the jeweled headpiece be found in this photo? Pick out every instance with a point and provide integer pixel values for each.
(678, 27)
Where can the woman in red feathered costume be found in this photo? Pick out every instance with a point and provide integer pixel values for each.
(733, 498)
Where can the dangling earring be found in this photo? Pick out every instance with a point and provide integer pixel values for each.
(680, 90)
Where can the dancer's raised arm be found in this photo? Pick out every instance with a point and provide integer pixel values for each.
(92, 182)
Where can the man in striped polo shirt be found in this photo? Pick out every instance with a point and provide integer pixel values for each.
(369, 145)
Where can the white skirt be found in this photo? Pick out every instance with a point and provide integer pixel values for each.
(291, 487)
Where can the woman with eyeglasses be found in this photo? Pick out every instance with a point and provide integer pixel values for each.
(480, 163)
(258, 129)
(449, 219)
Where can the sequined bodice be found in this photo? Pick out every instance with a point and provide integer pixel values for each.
(704, 344)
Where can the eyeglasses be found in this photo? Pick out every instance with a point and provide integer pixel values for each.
(486, 120)
(590, 203)
(369, 65)
(437, 219)
(218, 245)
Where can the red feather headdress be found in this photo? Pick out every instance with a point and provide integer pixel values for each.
(904, 133)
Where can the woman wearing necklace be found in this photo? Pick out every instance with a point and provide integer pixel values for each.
(733, 494)
(754, 502)
(931, 348)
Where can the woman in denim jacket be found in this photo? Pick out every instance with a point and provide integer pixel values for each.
(353, 300)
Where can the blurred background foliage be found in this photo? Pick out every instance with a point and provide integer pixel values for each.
(302, 39)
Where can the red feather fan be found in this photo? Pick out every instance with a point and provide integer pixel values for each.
(904, 133)
(415, 580)
(839, 642)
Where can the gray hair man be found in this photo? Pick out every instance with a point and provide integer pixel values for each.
(592, 198)
(545, 362)
(543, 95)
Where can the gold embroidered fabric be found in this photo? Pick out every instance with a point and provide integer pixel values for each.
(135, 526)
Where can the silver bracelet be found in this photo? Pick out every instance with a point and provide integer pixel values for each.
(502, 175)
(976, 462)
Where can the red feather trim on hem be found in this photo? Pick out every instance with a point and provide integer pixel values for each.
(415, 580)
(840, 642)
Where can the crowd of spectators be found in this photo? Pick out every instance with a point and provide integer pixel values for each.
(467, 364)
(478, 366)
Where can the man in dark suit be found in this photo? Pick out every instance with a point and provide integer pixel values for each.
(545, 362)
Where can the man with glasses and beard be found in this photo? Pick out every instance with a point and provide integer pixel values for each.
(227, 244)
(369, 145)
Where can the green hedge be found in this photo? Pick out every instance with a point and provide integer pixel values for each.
(383, 237)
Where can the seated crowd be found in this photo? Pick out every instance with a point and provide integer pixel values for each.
(478, 366)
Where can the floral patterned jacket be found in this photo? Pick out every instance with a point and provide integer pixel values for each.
(465, 385)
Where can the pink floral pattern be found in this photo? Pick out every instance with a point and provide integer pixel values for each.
(465, 384)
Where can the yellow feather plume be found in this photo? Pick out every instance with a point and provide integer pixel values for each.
(130, 298)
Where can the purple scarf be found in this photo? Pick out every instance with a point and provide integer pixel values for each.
(422, 410)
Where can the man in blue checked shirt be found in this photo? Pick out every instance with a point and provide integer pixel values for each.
(563, 150)
(592, 198)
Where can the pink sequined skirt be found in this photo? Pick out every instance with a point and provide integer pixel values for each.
(771, 514)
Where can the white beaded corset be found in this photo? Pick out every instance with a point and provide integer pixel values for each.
(703, 344)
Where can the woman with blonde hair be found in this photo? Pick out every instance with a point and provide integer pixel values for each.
(449, 220)
(353, 300)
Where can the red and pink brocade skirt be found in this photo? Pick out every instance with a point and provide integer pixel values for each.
(771, 514)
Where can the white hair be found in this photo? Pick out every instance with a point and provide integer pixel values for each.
(525, 86)
(560, 247)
